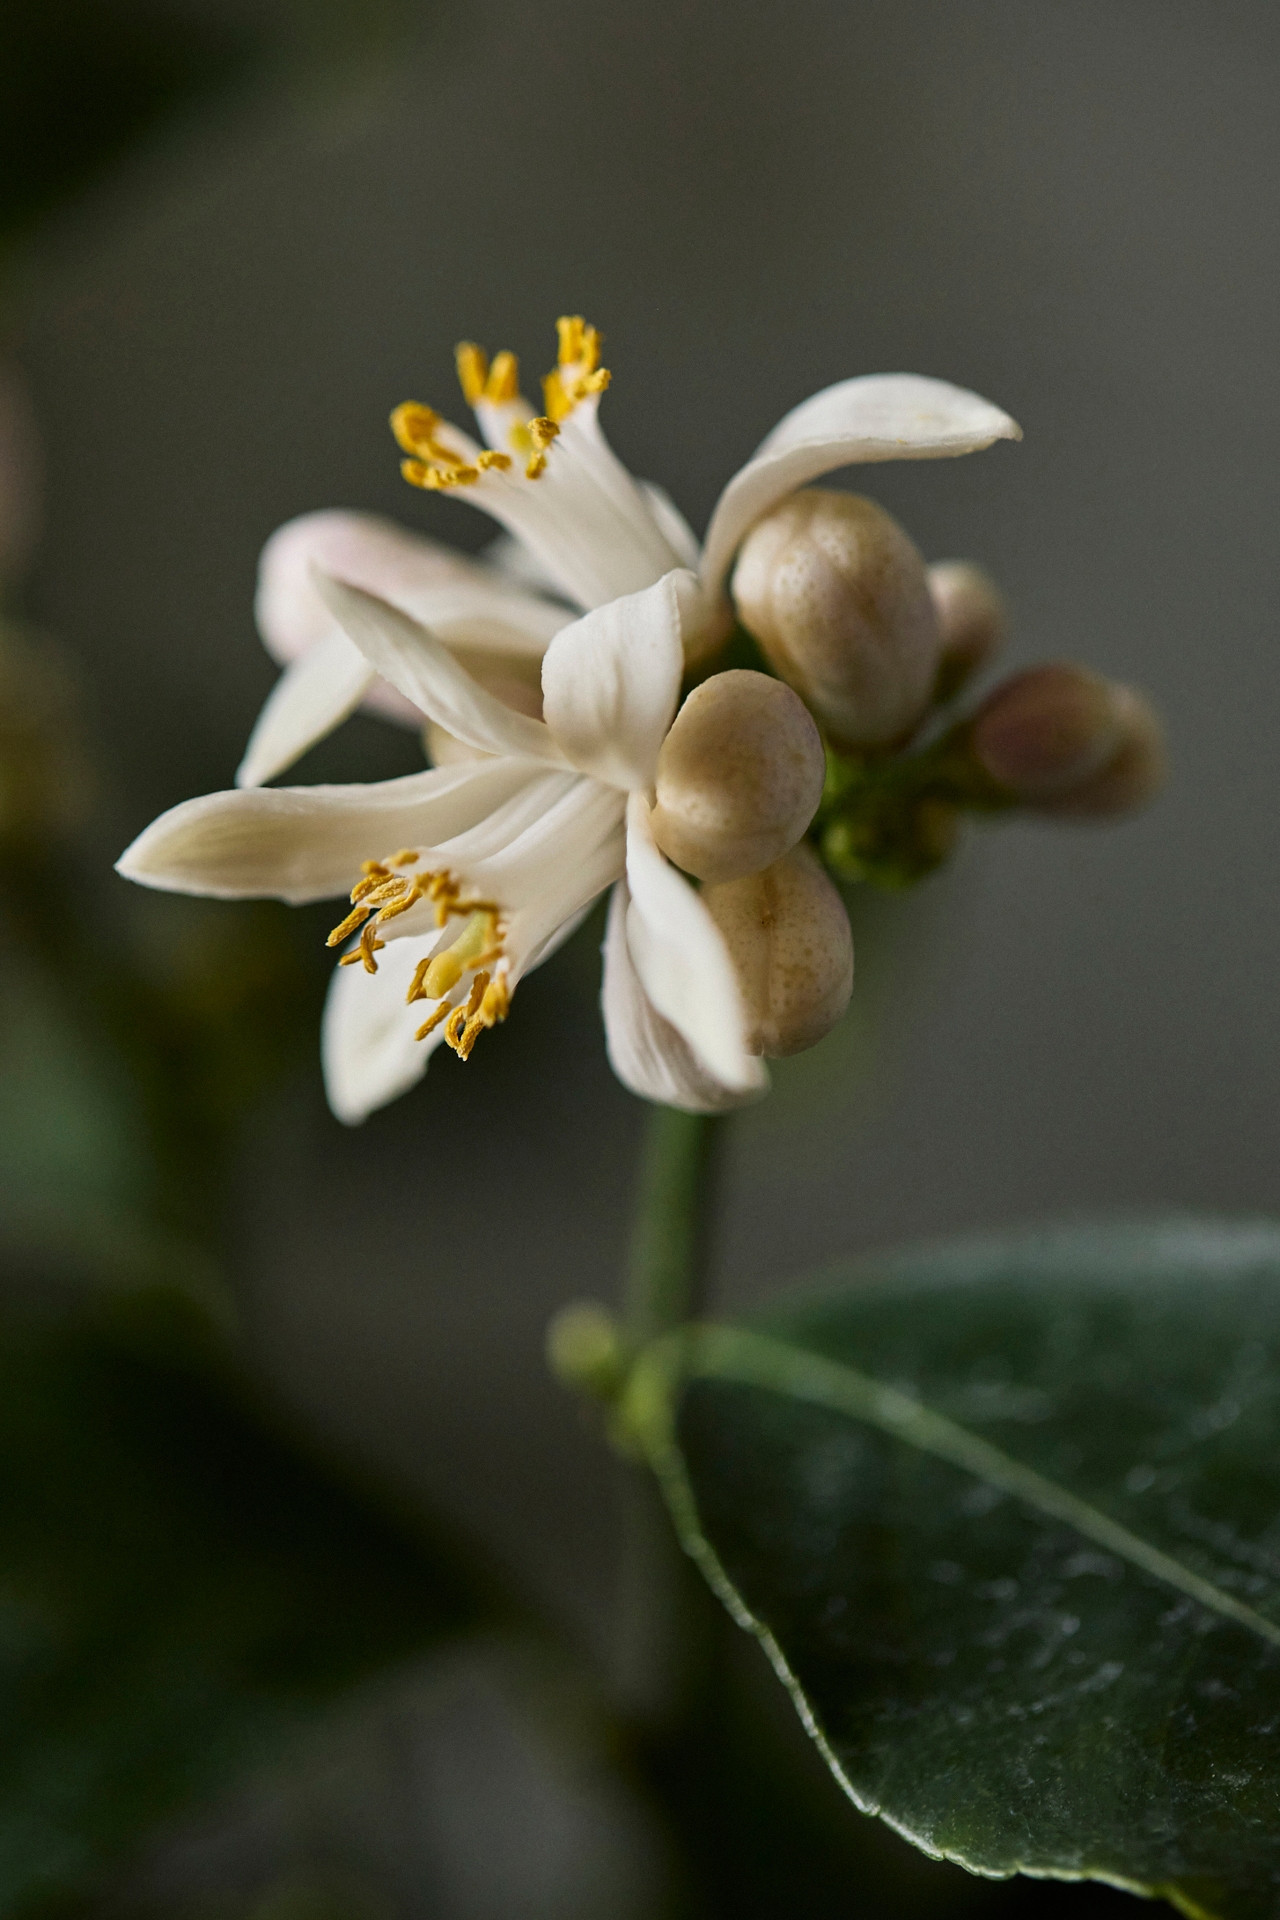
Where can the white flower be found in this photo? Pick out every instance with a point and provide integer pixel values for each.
(580, 529)
(467, 876)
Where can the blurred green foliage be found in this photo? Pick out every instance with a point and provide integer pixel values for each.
(181, 1582)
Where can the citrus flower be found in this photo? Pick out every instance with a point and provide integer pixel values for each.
(581, 531)
(464, 877)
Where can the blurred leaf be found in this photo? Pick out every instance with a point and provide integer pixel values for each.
(1007, 1518)
(182, 1585)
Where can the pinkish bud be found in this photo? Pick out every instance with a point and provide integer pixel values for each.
(1066, 741)
(788, 937)
(739, 776)
(836, 595)
(1136, 773)
(972, 621)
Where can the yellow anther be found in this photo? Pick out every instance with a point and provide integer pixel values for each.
(349, 925)
(414, 427)
(433, 1020)
(542, 432)
(416, 989)
(570, 327)
(536, 467)
(503, 383)
(454, 1025)
(374, 866)
(592, 383)
(369, 945)
(555, 400)
(405, 858)
(386, 890)
(473, 370)
(490, 458)
(402, 905)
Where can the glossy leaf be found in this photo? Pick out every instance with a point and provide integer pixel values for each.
(182, 1583)
(1006, 1516)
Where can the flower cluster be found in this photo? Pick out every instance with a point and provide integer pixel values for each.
(548, 680)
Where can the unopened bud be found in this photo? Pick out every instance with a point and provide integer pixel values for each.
(739, 776)
(1066, 741)
(788, 937)
(971, 621)
(1135, 774)
(585, 1350)
(838, 598)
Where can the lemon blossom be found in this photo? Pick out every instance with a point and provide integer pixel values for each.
(581, 531)
(468, 875)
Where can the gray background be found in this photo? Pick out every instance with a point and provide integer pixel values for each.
(1066, 204)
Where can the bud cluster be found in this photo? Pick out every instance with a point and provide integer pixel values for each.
(878, 645)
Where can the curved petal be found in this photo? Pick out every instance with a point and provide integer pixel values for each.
(881, 416)
(307, 843)
(610, 684)
(585, 520)
(312, 696)
(672, 525)
(463, 602)
(367, 1049)
(645, 1051)
(425, 672)
(683, 963)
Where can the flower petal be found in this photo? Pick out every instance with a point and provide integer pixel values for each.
(307, 843)
(881, 416)
(464, 604)
(585, 520)
(645, 1051)
(312, 696)
(425, 672)
(682, 961)
(367, 1048)
(610, 684)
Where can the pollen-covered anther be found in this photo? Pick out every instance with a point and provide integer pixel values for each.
(578, 373)
(433, 463)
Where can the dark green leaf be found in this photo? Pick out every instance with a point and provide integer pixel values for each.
(181, 1584)
(1007, 1518)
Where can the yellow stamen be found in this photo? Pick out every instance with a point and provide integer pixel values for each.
(503, 383)
(432, 1021)
(473, 370)
(491, 458)
(493, 1006)
(416, 989)
(536, 467)
(369, 945)
(347, 926)
(478, 947)
(414, 427)
(542, 432)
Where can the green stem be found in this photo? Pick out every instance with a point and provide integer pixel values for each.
(663, 1609)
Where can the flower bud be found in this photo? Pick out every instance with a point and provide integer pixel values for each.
(1136, 773)
(1065, 741)
(788, 937)
(971, 621)
(837, 596)
(739, 776)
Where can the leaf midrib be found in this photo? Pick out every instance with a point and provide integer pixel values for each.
(752, 1359)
